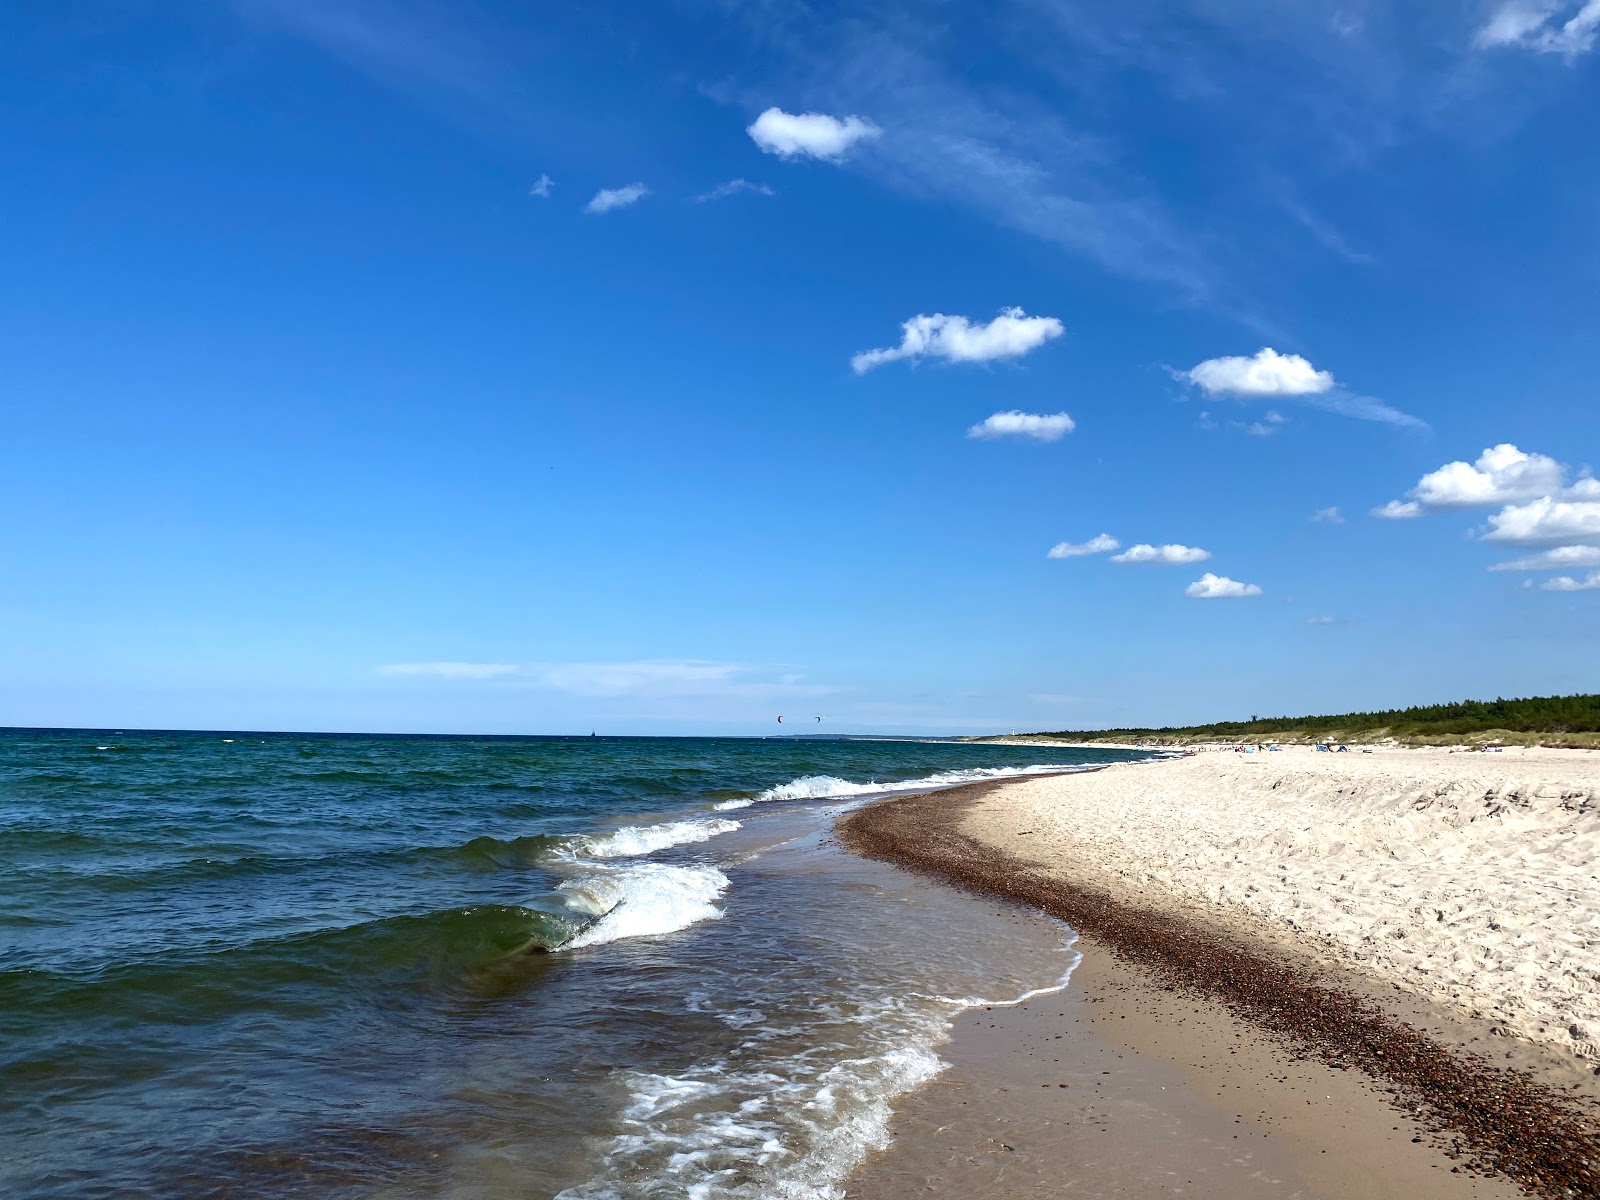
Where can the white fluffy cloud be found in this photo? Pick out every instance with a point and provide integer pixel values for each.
(1554, 559)
(1098, 544)
(956, 339)
(1546, 520)
(1219, 587)
(1044, 427)
(1547, 26)
(1169, 554)
(1538, 507)
(809, 135)
(1266, 373)
(450, 670)
(1501, 475)
(607, 199)
(1566, 583)
(733, 188)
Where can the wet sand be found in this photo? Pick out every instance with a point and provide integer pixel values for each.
(1200, 1062)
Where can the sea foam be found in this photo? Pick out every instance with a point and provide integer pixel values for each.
(829, 787)
(645, 899)
(633, 840)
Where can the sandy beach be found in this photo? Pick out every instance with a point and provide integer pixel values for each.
(1411, 937)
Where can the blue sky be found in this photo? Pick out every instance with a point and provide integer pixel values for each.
(411, 365)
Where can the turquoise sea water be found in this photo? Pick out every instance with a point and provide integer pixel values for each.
(311, 965)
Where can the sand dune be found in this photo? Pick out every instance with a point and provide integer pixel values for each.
(1472, 879)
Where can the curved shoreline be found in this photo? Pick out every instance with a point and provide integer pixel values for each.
(1489, 1119)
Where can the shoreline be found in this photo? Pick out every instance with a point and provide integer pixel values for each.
(1534, 1128)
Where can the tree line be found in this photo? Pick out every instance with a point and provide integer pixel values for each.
(1528, 714)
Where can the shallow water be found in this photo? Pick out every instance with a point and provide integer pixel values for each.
(284, 965)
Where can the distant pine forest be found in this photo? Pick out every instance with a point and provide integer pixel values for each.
(1548, 720)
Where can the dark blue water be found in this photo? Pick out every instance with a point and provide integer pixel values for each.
(298, 965)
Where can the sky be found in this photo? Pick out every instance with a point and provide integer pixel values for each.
(471, 366)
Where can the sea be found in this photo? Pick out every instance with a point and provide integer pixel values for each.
(304, 965)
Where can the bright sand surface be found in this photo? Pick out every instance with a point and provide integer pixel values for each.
(1470, 879)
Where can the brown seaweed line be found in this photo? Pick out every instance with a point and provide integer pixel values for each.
(1489, 1119)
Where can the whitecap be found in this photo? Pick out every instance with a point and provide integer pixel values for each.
(633, 840)
(645, 899)
(829, 787)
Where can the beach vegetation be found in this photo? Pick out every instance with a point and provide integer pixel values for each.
(1530, 720)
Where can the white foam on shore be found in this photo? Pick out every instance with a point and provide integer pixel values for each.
(829, 787)
(645, 900)
(633, 840)
(790, 1127)
(730, 805)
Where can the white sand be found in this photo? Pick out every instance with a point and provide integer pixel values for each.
(1473, 879)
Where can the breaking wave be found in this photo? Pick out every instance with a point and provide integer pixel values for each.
(829, 787)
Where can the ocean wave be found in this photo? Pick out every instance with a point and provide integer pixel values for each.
(730, 805)
(644, 900)
(792, 1127)
(829, 787)
(633, 840)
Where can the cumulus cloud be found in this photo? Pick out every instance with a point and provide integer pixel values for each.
(542, 187)
(1538, 507)
(956, 339)
(1546, 520)
(1554, 559)
(1043, 427)
(607, 199)
(1098, 544)
(1566, 583)
(809, 135)
(1328, 516)
(734, 187)
(1266, 373)
(1501, 475)
(1219, 587)
(1171, 554)
(449, 670)
(1546, 26)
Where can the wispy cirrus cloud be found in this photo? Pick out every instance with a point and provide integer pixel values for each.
(734, 187)
(667, 678)
(449, 670)
(608, 199)
(1546, 26)
(649, 678)
(1555, 559)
